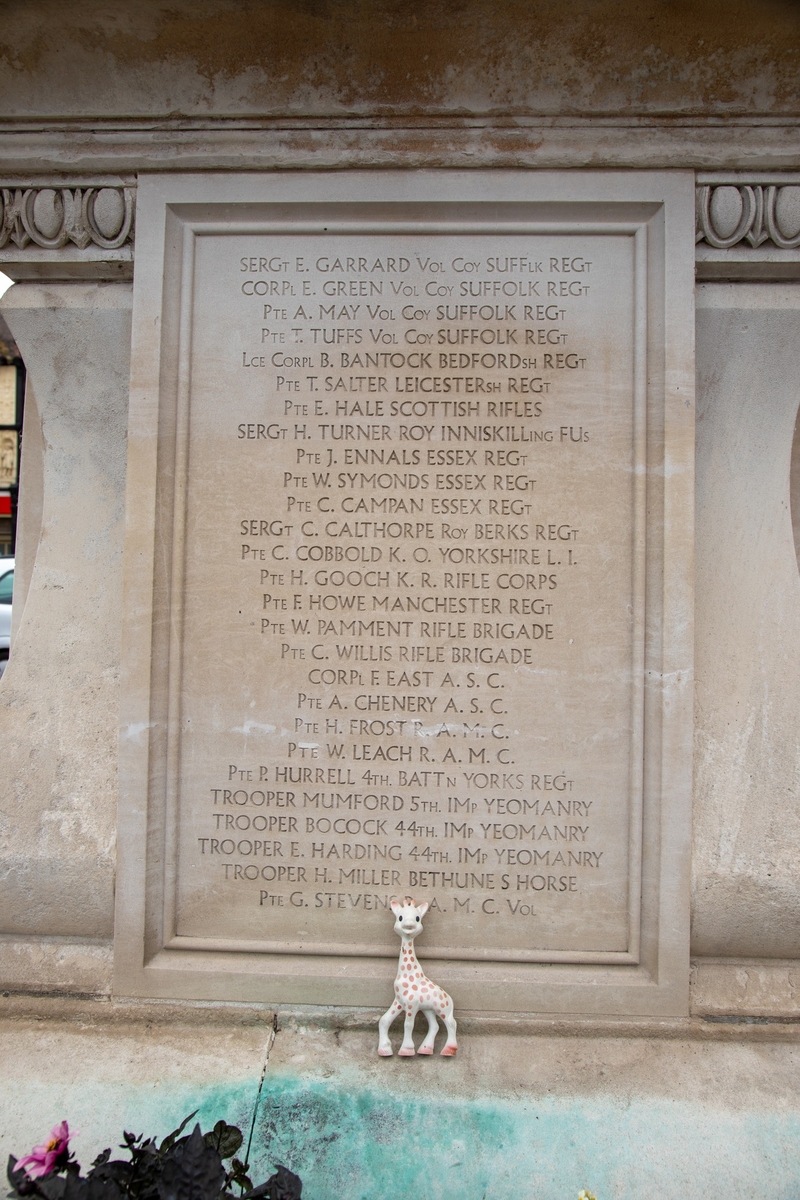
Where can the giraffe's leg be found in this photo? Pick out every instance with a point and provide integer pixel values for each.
(384, 1046)
(407, 1049)
(450, 1045)
(430, 1036)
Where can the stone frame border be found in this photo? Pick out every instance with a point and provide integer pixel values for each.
(659, 985)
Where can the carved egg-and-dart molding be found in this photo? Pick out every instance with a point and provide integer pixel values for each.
(728, 214)
(50, 217)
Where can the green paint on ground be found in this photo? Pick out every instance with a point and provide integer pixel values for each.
(353, 1143)
(364, 1145)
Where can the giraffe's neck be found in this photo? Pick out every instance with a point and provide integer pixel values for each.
(408, 959)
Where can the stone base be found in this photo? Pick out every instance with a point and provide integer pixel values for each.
(68, 966)
(678, 1109)
(746, 988)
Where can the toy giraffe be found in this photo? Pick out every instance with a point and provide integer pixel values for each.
(413, 991)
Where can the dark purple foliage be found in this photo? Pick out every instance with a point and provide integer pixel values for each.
(179, 1168)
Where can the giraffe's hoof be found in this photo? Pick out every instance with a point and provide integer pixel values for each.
(448, 1050)
(384, 1053)
(425, 1050)
(407, 1053)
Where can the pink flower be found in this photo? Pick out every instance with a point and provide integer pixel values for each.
(42, 1159)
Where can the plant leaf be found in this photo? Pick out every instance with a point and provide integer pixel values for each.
(99, 1187)
(22, 1185)
(171, 1138)
(225, 1139)
(287, 1185)
(238, 1175)
(75, 1187)
(194, 1171)
(52, 1186)
(283, 1185)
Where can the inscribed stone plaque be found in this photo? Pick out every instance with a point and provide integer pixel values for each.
(419, 608)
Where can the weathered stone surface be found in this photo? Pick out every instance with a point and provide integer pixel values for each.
(60, 690)
(746, 901)
(345, 58)
(754, 987)
(225, 84)
(69, 966)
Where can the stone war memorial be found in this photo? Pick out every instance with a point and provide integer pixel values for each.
(407, 524)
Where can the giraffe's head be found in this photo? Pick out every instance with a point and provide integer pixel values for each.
(408, 916)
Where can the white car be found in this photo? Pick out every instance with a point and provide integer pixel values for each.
(6, 588)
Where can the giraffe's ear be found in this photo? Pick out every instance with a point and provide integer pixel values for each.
(423, 908)
(395, 906)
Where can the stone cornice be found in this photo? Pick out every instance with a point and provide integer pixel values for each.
(31, 149)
